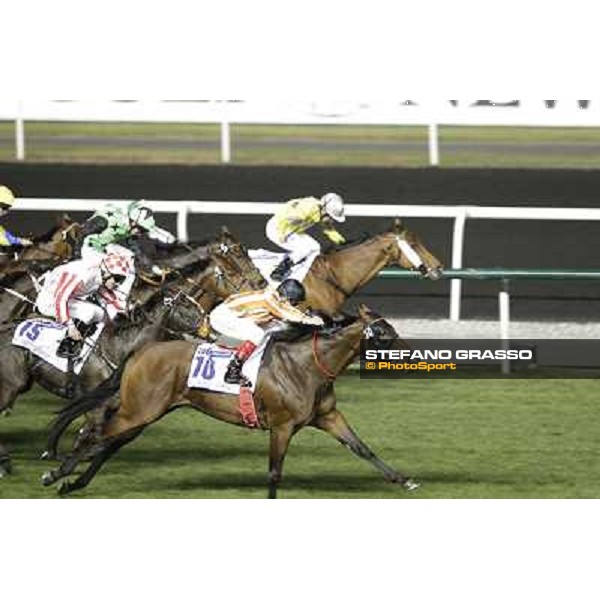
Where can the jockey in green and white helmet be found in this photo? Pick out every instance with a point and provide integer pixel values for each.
(112, 225)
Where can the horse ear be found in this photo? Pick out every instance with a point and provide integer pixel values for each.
(364, 311)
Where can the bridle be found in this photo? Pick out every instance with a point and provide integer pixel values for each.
(367, 333)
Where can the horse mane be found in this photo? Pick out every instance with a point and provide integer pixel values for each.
(365, 239)
(298, 332)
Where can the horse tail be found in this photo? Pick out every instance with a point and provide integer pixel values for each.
(83, 404)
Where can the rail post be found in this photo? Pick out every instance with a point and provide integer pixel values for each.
(458, 241)
(504, 317)
(225, 141)
(182, 222)
(434, 145)
(19, 132)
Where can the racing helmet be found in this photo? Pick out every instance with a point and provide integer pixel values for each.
(292, 290)
(141, 215)
(6, 196)
(333, 204)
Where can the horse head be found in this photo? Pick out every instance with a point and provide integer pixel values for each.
(409, 252)
(231, 257)
(376, 330)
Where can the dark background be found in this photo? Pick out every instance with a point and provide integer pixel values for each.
(488, 243)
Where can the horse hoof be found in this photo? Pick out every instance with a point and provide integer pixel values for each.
(410, 485)
(48, 478)
(45, 455)
(64, 488)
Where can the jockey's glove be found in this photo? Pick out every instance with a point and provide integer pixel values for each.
(156, 270)
(335, 236)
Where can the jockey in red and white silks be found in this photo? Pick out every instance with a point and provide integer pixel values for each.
(66, 288)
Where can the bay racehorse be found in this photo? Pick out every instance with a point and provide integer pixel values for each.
(198, 286)
(337, 275)
(295, 388)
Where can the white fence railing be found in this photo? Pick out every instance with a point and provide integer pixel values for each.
(431, 114)
(459, 214)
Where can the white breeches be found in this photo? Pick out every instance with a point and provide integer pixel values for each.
(298, 245)
(227, 322)
(88, 312)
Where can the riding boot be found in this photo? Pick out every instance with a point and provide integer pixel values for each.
(234, 369)
(69, 348)
(86, 329)
(282, 270)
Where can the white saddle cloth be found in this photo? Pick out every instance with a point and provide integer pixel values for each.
(210, 363)
(266, 261)
(42, 338)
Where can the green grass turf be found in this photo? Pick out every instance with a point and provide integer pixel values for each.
(331, 145)
(460, 439)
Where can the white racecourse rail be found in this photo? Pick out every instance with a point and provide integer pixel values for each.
(460, 214)
(525, 113)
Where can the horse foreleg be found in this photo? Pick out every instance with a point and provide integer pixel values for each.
(14, 378)
(280, 441)
(5, 466)
(335, 424)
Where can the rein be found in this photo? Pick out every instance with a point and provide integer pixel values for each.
(322, 368)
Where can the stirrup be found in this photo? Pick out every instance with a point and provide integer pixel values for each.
(234, 372)
(69, 348)
(282, 270)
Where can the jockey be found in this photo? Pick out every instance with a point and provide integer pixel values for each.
(7, 201)
(242, 316)
(288, 225)
(112, 225)
(66, 291)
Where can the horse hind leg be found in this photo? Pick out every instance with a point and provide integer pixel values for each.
(107, 450)
(122, 431)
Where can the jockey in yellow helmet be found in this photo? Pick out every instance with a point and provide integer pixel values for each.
(7, 201)
(288, 225)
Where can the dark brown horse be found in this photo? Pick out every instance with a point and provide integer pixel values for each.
(294, 389)
(337, 275)
(17, 273)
